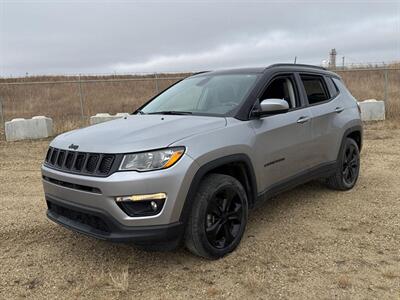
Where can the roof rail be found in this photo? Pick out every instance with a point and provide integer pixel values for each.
(200, 72)
(296, 65)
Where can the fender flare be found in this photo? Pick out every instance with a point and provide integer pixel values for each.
(206, 168)
(356, 128)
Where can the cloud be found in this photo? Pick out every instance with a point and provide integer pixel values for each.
(159, 36)
(372, 40)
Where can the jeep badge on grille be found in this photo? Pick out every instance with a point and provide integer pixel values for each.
(74, 147)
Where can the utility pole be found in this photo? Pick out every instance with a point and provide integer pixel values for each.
(1, 113)
(343, 62)
(386, 86)
(156, 83)
(295, 59)
(81, 97)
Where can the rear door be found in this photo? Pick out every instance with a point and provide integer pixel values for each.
(326, 108)
(282, 144)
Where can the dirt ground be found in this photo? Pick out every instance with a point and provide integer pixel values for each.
(309, 243)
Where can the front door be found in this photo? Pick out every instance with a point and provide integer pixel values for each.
(283, 141)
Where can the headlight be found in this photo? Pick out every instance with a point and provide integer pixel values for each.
(152, 160)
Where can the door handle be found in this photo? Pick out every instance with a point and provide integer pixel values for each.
(303, 119)
(339, 109)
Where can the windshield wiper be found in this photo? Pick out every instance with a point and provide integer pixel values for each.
(170, 112)
(140, 112)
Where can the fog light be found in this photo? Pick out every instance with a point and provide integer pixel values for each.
(142, 205)
(153, 205)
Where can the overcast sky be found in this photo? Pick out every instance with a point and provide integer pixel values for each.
(70, 37)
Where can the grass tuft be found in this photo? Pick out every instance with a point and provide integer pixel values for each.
(120, 282)
(344, 282)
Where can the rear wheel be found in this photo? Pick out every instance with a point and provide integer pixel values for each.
(348, 167)
(218, 217)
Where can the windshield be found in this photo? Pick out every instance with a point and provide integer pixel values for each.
(204, 95)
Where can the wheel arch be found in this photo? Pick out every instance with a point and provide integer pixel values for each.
(355, 133)
(238, 166)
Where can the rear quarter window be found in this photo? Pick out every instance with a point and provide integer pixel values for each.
(339, 84)
(333, 89)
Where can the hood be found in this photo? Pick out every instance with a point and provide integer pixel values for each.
(137, 133)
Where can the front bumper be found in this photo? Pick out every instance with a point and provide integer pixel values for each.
(96, 197)
(101, 225)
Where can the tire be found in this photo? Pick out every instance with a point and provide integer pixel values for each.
(218, 217)
(348, 168)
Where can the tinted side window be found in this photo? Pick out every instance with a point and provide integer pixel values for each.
(315, 88)
(282, 87)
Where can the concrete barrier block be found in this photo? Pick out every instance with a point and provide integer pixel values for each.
(104, 117)
(25, 129)
(372, 110)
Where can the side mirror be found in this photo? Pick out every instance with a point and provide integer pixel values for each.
(273, 106)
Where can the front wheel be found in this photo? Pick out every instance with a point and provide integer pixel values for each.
(218, 217)
(348, 167)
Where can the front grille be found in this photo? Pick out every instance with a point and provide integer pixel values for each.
(106, 163)
(92, 164)
(48, 154)
(60, 159)
(54, 156)
(80, 160)
(92, 221)
(69, 161)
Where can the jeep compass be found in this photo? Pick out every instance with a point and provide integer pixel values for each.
(186, 167)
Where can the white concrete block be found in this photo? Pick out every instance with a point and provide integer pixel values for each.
(25, 129)
(104, 117)
(372, 110)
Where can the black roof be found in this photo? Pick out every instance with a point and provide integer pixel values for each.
(233, 71)
(285, 66)
(296, 66)
(302, 68)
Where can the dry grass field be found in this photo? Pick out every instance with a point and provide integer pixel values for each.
(308, 243)
(61, 101)
(369, 84)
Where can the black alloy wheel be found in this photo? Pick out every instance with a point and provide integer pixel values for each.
(218, 217)
(224, 217)
(351, 164)
(348, 167)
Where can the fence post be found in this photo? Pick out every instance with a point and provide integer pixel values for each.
(386, 86)
(1, 113)
(81, 97)
(156, 82)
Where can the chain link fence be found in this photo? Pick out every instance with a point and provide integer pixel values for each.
(375, 83)
(71, 100)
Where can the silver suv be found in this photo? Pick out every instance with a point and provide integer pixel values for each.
(188, 164)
